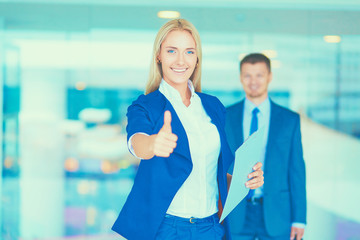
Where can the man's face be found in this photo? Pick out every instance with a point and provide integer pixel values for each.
(255, 79)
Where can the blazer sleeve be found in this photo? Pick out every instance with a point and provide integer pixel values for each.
(297, 177)
(139, 118)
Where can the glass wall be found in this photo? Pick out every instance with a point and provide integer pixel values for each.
(70, 70)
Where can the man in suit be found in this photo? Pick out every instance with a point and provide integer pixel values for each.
(277, 210)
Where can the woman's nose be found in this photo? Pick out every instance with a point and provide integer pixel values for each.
(180, 59)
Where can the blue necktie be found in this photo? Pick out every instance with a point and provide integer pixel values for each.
(253, 128)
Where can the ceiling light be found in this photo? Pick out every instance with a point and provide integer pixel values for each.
(80, 86)
(241, 56)
(332, 39)
(270, 53)
(168, 14)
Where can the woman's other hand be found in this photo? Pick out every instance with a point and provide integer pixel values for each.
(256, 177)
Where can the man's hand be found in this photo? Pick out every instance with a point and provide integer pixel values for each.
(299, 232)
(256, 177)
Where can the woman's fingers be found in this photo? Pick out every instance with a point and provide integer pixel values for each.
(257, 173)
(164, 144)
(256, 177)
(255, 182)
(163, 153)
(257, 166)
(163, 136)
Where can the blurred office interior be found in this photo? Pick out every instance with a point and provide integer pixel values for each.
(69, 70)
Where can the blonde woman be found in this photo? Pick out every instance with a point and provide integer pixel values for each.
(178, 132)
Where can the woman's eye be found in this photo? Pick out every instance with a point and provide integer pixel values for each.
(171, 51)
(190, 52)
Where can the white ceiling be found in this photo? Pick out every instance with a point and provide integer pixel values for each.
(305, 17)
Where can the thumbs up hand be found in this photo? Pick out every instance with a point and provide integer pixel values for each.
(167, 122)
(164, 142)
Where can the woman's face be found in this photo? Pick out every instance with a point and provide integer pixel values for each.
(178, 57)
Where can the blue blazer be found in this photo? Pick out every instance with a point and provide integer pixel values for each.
(158, 179)
(284, 170)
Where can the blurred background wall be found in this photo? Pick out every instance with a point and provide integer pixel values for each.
(70, 69)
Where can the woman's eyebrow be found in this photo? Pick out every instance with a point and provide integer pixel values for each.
(190, 48)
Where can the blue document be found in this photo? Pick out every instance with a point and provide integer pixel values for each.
(246, 156)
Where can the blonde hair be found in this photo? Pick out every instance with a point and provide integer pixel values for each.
(155, 74)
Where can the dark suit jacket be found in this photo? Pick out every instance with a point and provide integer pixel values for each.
(159, 178)
(284, 170)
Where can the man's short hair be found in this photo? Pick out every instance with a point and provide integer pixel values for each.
(256, 58)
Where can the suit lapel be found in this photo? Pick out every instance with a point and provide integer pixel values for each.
(276, 122)
(238, 125)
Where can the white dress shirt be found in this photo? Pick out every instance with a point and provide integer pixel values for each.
(263, 122)
(199, 194)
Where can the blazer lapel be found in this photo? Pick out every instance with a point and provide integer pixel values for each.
(161, 104)
(215, 119)
(210, 111)
(182, 147)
